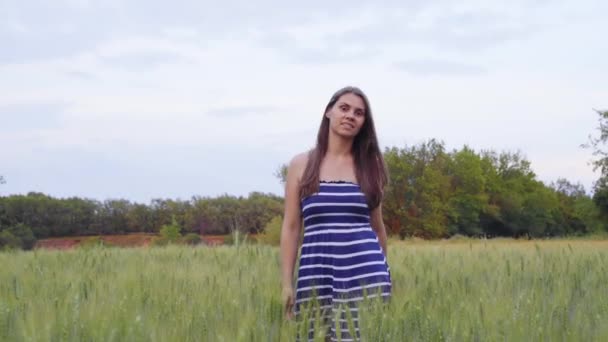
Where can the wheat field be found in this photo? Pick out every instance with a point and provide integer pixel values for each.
(470, 290)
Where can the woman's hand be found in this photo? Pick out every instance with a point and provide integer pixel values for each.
(288, 302)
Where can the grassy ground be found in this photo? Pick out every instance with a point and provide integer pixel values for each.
(469, 290)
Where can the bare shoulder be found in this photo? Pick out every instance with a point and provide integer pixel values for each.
(300, 159)
(295, 170)
(298, 164)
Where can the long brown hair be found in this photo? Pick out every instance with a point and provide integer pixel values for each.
(369, 164)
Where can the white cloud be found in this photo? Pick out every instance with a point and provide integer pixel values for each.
(497, 76)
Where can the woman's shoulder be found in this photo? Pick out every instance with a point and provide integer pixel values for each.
(298, 162)
(299, 159)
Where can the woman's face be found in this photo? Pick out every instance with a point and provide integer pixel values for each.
(347, 115)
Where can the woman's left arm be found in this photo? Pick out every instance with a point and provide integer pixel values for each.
(378, 226)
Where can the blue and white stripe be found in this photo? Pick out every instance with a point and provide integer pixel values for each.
(341, 261)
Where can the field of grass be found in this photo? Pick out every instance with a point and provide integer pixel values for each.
(442, 291)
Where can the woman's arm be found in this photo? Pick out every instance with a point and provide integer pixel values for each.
(378, 226)
(290, 231)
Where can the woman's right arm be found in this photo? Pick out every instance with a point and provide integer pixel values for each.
(290, 231)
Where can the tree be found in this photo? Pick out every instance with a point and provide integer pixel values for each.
(415, 198)
(139, 219)
(397, 205)
(600, 196)
(597, 144)
(536, 218)
(171, 232)
(259, 209)
(113, 216)
(281, 173)
(24, 235)
(469, 198)
(9, 241)
(272, 231)
(574, 215)
(161, 213)
(516, 184)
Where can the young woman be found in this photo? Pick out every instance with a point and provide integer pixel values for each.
(335, 191)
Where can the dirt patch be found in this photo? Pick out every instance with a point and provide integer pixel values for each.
(213, 240)
(56, 243)
(124, 240)
(128, 240)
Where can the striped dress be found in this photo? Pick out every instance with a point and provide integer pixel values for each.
(341, 262)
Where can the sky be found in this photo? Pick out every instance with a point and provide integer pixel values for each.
(154, 99)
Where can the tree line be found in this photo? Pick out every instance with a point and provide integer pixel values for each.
(37, 216)
(432, 193)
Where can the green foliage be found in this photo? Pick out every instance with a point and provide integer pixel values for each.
(469, 198)
(281, 173)
(598, 144)
(272, 232)
(17, 236)
(9, 241)
(191, 239)
(52, 217)
(434, 193)
(589, 213)
(48, 217)
(171, 232)
(416, 196)
(140, 219)
(24, 234)
(600, 198)
(601, 235)
(600, 152)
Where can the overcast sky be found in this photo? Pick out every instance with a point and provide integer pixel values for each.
(156, 99)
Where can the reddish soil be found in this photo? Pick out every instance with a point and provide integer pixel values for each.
(57, 243)
(213, 240)
(126, 240)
